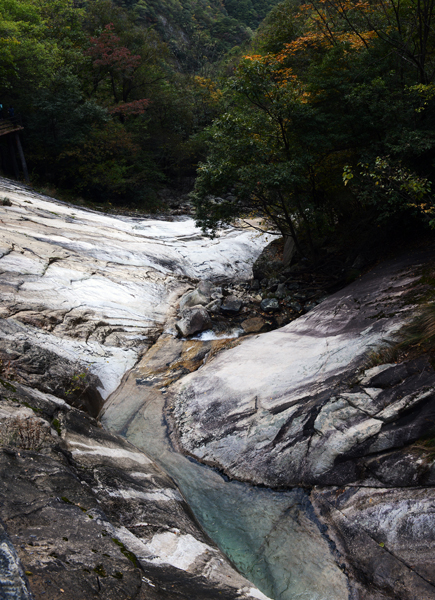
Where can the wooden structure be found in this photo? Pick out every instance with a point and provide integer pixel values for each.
(12, 127)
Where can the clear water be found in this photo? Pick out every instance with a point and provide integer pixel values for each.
(271, 537)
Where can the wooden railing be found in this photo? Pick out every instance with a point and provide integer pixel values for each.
(10, 124)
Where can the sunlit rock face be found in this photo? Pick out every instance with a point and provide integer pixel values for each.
(96, 289)
(261, 411)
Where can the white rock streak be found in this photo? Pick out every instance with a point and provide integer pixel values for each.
(102, 284)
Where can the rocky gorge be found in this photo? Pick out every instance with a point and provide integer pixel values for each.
(296, 465)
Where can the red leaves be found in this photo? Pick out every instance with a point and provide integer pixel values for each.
(137, 107)
(106, 51)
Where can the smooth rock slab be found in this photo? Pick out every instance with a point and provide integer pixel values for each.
(252, 410)
(98, 287)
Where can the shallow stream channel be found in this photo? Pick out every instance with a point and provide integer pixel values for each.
(272, 537)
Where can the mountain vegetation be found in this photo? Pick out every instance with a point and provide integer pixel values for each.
(327, 124)
(111, 94)
(317, 117)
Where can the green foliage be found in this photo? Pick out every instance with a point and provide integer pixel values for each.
(331, 123)
(107, 91)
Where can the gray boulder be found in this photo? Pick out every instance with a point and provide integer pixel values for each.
(193, 320)
(231, 304)
(269, 305)
(194, 298)
(214, 306)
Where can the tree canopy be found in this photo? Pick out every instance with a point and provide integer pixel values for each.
(328, 120)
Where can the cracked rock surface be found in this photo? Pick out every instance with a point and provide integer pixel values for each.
(84, 514)
(297, 407)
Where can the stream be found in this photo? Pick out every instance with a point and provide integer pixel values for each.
(271, 537)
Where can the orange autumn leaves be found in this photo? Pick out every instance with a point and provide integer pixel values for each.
(323, 24)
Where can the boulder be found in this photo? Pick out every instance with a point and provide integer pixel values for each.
(269, 305)
(253, 325)
(194, 298)
(231, 304)
(193, 320)
(270, 261)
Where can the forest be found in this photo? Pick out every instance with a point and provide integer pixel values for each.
(317, 117)
(113, 94)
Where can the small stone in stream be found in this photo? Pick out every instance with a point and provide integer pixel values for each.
(231, 304)
(272, 284)
(214, 306)
(193, 298)
(281, 287)
(294, 306)
(299, 296)
(253, 325)
(194, 319)
(255, 285)
(269, 304)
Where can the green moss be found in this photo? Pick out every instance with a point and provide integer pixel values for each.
(37, 410)
(56, 425)
(7, 385)
(427, 445)
(100, 570)
(132, 557)
(118, 575)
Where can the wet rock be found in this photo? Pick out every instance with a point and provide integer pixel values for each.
(253, 325)
(293, 305)
(85, 513)
(231, 304)
(193, 320)
(269, 305)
